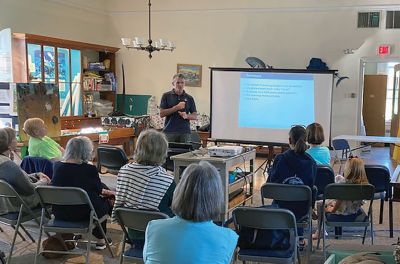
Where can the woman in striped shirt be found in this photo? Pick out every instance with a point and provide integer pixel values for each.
(144, 183)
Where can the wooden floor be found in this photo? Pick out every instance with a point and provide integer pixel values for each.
(24, 251)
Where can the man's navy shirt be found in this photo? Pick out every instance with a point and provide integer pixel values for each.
(174, 123)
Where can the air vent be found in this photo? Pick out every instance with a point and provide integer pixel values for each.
(368, 19)
(393, 19)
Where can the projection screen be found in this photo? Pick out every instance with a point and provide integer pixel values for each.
(260, 105)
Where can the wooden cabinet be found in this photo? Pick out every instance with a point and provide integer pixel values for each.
(66, 63)
(76, 122)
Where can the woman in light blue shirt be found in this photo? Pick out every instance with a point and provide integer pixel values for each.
(191, 236)
(315, 137)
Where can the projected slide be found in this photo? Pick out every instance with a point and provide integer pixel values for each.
(275, 101)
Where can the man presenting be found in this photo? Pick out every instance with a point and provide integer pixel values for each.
(178, 108)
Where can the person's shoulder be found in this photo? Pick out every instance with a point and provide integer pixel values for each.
(225, 233)
(58, 164)
(168, 93)
(90, 167)
(161, 223)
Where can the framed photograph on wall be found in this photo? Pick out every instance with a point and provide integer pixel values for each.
(192, 73)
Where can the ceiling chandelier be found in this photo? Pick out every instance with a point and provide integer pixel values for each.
(139, 43)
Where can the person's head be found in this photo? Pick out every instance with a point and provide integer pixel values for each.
(151, 148)
(178, 82)
(297, 139)
(315, 134)
(79, 149)
(199, 195)
(354, 171)
(4, 141)
(35, 127)
(12, 138)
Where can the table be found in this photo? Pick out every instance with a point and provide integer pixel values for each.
(370, 139)
(224, 165)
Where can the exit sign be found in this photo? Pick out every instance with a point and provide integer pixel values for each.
(384, 50)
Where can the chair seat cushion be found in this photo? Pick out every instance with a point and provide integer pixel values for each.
(267, 253)
(359, 217)
(13, 216)
(134, 252)
(67, 224)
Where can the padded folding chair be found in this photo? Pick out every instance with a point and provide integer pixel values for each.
(292, 193)
(269, 219)
(137, 220)
(379, 177)
(16, 219)
(51, 195)
(342, 151)
(348, 192)
(325, 176)
(111, 157)
(195, 140)
(175, 148)
(395, 197)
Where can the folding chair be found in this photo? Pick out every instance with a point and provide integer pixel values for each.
(325, 176)
(342, 151)
(348, 192)
(137, 220)
(379, 177)
(16, 219)
(51, 195)
(111, 157)
(269, 219)
(292, 193)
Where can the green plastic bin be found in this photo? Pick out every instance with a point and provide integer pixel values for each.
(336, 256)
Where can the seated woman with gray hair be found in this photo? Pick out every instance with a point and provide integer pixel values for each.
(191, 236)
(75, 171)
(24, 184)
(144, 183)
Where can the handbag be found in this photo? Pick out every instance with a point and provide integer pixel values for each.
(268, 239)
(57, 243)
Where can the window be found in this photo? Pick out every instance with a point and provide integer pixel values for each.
(393, 19)
(62, 66)
(368, 19)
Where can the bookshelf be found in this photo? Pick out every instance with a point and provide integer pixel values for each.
(70, 65)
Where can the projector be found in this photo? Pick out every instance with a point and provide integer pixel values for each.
(224, 151)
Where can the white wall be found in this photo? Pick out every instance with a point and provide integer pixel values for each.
(85, 21)
(285, 34)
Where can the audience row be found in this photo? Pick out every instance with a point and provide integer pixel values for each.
(145, 184)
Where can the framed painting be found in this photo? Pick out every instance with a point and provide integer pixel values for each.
(192, 73)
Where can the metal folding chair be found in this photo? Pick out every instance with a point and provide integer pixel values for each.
(111, 157)
(348, 192)
(342, 151)
(137, 220)
(292, 193)
(16, 219)
(51, 195)
(269, 219)
(325, 176)
(379, 177)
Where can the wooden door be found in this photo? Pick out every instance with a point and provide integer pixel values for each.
(374, 104)
(394, 126)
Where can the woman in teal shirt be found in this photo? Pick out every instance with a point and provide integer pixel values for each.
(315, 137)
(191, 236)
